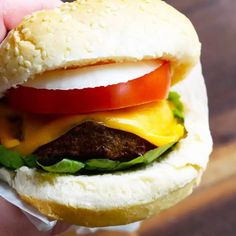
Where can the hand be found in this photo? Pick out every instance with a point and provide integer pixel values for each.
(12, 12)
(12, 220)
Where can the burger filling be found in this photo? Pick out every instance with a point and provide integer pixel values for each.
(131, 127)
(89, 146)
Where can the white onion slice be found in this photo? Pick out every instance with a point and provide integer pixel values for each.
(92, 76)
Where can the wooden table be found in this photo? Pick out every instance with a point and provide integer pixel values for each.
(211, 210)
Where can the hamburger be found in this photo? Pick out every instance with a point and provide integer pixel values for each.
(103, 113)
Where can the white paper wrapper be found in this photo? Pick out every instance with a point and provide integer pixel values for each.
(122, 228)
(42, 223)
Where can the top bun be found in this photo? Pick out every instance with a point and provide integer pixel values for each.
(95, 31)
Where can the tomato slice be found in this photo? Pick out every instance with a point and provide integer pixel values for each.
(150, 87)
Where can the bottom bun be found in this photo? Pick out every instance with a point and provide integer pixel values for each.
(108, 217)
(128, 196)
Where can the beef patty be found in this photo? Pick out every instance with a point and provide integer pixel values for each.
(92, 140)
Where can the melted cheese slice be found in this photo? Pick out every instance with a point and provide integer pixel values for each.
(153, 122)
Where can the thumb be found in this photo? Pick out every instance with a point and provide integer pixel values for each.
(15, 10)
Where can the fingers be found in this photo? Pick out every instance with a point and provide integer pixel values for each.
(15, 10)
(60, 228)
(2, 26)
(12, 12)
(13, 221)
(50, 4)
(2, 29)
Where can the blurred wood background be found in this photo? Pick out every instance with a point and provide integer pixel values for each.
(211, 210)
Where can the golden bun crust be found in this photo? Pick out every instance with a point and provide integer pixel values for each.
(88, 32)
(128, 196)
(109, 217)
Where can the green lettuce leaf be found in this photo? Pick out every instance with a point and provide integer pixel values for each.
(178, 109)
(10, 159)
(101, 165)
(109, 165)
(13, 160)
(30, 161)
(65, 166)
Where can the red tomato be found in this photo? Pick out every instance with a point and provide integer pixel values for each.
(150, 87)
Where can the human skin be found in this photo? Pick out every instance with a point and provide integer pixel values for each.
(12, 220)
(12, 12)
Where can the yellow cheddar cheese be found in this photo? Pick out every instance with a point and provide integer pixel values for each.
(153, 122)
